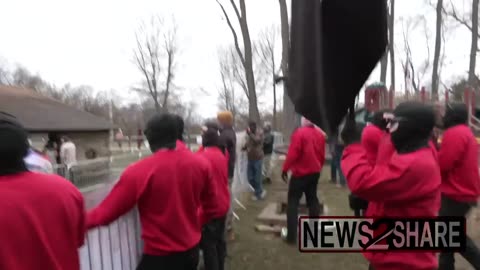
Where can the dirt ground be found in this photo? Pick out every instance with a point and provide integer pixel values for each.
(252, 250)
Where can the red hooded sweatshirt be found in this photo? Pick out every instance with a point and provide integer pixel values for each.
(42, 222)
(219, 164)
(371, 138)
(168, 187)
(306, 153)
(407, 185)
(458, 158)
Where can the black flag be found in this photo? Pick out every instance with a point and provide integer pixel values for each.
(335, 45)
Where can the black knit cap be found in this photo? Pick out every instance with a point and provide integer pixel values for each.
(161, 131)
(180, 127)
(13, 144)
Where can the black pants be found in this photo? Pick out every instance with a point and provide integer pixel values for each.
(298, 186)
(187, 260)
(213, 244)
(472, 254)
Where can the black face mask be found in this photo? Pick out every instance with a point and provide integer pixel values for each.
(455, 114)
(378, 119)
(412, 126)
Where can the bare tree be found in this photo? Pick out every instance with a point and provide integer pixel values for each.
(414, 75)
(290, 118)
(472, 25)
(391, 42)
(245, 55)
(155, 56)
(383, 68)
(438, 47)
(226, 93)
(266, 51)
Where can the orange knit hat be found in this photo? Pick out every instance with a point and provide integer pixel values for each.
(225, 117)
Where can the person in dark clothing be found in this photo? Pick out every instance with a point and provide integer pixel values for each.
(458, 158)
(409, 178)
(228, 138)
(168, 188)
(268, 140)
(305, 159)
(213, 242)
(31, 203)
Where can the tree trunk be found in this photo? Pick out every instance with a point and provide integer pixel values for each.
(474, 46)
(253, 112)
(438, 46)
(290, 118)
(391, 48)
(383, 68)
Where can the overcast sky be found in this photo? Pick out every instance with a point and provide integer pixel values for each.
(90, 41)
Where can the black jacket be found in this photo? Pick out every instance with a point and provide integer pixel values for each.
(268, 143)
(228, 138)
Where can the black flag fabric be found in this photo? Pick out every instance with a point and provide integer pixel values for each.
(335, 45)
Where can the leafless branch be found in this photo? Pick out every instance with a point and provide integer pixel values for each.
(234, 33)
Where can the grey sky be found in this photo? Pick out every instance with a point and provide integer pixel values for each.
(90, 42)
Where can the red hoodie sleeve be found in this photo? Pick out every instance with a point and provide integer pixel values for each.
(294, 151)
(373, 182)
(208, 196)
(82, 228)
(451, 150)
(119, 201)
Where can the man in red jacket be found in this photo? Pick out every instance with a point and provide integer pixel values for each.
(407, 185)
(42, 217)
(213, 242)
(305, 159)
(458, 158)
(168, 187)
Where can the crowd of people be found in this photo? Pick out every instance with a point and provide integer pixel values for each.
(392, 167)
(43, 160)
(395, 168)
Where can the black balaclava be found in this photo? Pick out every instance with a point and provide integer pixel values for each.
(253, 127)
(13, 145)
(379, 121)
(412, 126)
(180, 127)
(455, 114)
(161, 131)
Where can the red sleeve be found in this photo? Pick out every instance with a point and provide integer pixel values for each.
(373, 182)
(294, 151)
(208, 195)
(371, 141)
(451, 150)
(121, 199)
(82, 226)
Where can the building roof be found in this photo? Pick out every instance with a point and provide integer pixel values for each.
(40, 113)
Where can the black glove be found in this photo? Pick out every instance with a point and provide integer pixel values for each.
(357, 203)
(285, 177)
(352, 132)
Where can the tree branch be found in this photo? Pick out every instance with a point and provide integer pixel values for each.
(234, 33)
(453, 14)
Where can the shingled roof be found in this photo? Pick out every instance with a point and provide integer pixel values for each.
(39, 113)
